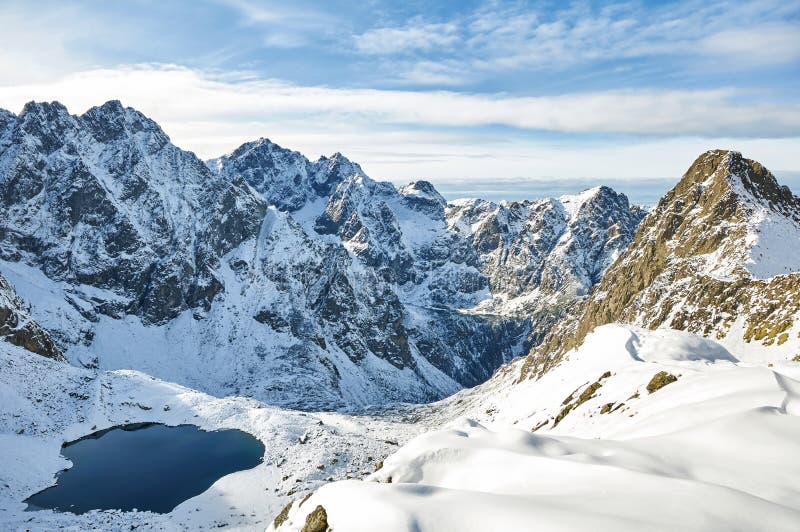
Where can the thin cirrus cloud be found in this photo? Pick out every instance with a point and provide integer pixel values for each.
(775, 43)
(288, 25)
(501, 37)
(414, 37)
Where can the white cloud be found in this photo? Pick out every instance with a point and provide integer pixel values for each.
(287, 24)
(186, 93)
(37, 46)
(400, 135)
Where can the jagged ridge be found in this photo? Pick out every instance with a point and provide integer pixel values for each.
(304, 283)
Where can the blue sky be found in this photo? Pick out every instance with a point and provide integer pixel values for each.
(465, 94)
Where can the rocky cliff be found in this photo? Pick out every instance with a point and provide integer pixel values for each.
(18, 328)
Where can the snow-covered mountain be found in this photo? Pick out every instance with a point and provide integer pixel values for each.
(350, 291)
(543, 256)
(106, 200)
(718, 256)
(685, 416)
(261, 273)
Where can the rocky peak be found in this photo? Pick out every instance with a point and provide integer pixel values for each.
(761, 184)
(421, 188)
(603, 194)
(106, 200)
(718, 175)
(48, 111)
(278, 174)
(725, 211)
(711, 258)
(556, 245)
(113, 122)
(261, 150)
(423, 196)
(285, 178)
(47, 123)
(328, 172)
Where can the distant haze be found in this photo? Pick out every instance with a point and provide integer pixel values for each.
(639, 191)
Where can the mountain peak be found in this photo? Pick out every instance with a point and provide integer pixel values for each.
(113, 106)
(725, 171)
(423, 196)
(344, 166)
(48, 122)
(422, 188)
(714, 257)
(113, 121)
(591, 198)
(727, 213)
(36, 115)
(261, 147)
(43, 109)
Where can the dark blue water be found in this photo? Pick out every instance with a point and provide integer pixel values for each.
(146, 466)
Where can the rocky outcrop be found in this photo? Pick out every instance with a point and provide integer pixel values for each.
(717, 256)
(285, 178)
(18, 328)
(316, 521)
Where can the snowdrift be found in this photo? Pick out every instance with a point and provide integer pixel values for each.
(715, 449)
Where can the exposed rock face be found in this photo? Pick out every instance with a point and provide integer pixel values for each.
(285, 178)
(659, 380)
(17, 326)
(302, 283)
(543, 256)
(316, 521)
(718, 256)
(106, 200)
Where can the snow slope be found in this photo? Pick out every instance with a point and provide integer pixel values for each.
(715, 450)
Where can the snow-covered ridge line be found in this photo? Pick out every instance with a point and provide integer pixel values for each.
(263, 273)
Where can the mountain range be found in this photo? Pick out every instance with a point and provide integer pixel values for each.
(668, 399)
(573, 363)
(304, 284)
